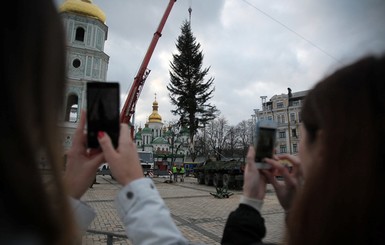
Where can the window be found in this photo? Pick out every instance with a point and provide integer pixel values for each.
(292, 117)
(280, 118)
(76, 63)
(79, 36)
(282, 134)
(96, 67)
(71, 112)
(280, 104)
(99, 39)
(295, 148)
(282, 149)
(294, 133)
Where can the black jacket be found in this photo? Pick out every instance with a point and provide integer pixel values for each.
(244, 226)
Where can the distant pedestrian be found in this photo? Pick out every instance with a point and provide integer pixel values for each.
(181, 173)
(175, 172)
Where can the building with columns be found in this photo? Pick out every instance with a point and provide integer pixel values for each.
(285, 109)
(86, 33)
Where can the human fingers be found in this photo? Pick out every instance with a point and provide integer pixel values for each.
(124, 135)
(93, 151)
(254, 186)
(126, 146)
(296, 169)
(79, 139)
(294, 160)
(279, 170)
(80, 172)
(276, 168)
(107, 147)
(124, 162)
(250, 155)
(290, 178)
(269, 176)
(251, 167)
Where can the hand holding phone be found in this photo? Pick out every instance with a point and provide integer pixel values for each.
(102, 112)
(264, 142)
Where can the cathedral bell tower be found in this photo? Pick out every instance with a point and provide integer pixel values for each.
(84, 23)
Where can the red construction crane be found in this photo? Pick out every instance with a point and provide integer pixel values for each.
(128, 109)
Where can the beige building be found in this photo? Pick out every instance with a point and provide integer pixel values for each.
(285, 109)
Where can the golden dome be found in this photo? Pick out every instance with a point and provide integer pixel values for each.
(154, 117)
(84, 7)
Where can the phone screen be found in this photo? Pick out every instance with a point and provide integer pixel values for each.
(265, 143)
(102, 111)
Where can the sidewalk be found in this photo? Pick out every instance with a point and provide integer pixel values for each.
(200, 216)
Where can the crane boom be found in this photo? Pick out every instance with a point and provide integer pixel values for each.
(129, 106)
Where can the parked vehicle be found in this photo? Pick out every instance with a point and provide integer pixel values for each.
(224, 173)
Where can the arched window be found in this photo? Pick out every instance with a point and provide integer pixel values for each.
(79, 36)
(72, 108)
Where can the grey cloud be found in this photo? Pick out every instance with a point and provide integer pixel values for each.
(250, 54)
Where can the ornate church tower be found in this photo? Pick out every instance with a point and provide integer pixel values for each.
(84, 23)
(155, 120)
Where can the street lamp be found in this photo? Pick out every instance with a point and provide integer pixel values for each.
(288, 117)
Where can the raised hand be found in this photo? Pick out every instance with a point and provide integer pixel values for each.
(82, 165)
(254, 185)
(292, 179)
(123, 161)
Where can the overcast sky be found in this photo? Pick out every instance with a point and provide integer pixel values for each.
(254, 48)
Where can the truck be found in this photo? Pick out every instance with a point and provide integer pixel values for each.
(223, 173)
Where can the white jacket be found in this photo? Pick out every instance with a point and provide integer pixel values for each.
(143, 212)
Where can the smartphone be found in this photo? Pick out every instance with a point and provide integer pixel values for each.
(264, 142)
(102, 111)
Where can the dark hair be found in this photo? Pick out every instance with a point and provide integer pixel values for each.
(33, 82)
(343, 197)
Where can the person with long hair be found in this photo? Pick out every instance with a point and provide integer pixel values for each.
(335, 192)
(44, 207)
(33, 76)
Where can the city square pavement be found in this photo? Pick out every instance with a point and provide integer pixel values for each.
(198, 214)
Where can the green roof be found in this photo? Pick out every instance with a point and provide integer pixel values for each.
(159, 140)
(138, 135)
(147, 131)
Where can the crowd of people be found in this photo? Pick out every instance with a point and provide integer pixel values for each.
(333, 195)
